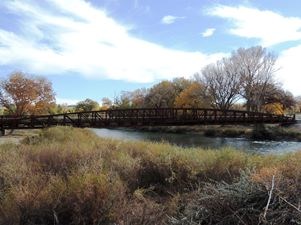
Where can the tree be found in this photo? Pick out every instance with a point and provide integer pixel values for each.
(278, 99)
(106, 103)
(61, 108)
(138, 98)
(222, 82)
(161, 95)
(256, 68)
(298, 104)
(192, 97)
(181, 83)
(87, 105)
(123, 101)
(22, 94)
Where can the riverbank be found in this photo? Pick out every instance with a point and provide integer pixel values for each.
(66, 175)
(254, 132)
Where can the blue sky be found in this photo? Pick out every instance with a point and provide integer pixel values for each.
(97, 48)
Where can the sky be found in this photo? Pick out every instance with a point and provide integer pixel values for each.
(98, 48)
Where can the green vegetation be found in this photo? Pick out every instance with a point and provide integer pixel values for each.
(70, 176)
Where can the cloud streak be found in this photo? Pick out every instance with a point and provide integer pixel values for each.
(268, 27)
(57, 38)
(167, 20)
(208, 32)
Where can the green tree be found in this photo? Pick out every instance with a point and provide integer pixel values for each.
(87, 105)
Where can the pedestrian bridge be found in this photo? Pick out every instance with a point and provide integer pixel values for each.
(143, 117)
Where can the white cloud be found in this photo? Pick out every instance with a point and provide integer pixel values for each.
(170, 19)
(269, 27)
(58, 37)
(208, 32)
(289, 69)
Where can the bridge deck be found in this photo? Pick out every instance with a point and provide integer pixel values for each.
(143, 117)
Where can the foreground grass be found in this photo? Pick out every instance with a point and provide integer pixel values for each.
(71, 176)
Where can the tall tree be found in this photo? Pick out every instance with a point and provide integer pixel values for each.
(192, 97)
(138, 98)
(87, 105)
(22, 94)
(222, 82)
(123, 101)
(161, 95)
(256, 67)
(106, 103)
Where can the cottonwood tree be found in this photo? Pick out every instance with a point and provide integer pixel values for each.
(138, 98)
(192, 97)
(161, 95)
(87, 105)
(222, 83)
(276, 96)
(298, 104)
(123, 101)
(106, 103)
(256, 68)
(21, 94)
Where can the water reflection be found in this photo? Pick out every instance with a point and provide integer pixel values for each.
(197, 140)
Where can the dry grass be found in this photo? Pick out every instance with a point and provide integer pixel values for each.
(70, 176)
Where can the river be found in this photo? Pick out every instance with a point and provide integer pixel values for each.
(197, 140)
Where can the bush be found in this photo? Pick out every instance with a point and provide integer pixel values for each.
(242, 202)
(70, 176)
(83, 199)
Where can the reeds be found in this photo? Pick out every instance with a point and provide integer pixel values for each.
(67, 176)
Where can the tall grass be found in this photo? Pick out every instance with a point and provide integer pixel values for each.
(70, 176)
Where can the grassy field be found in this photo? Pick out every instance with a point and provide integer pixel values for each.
(70, 176)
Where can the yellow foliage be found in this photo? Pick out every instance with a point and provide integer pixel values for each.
(275, 108)
(191, 97)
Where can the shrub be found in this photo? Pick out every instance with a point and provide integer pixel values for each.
(242, 202)
(83, 199)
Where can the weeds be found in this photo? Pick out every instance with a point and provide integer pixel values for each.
(67, 176)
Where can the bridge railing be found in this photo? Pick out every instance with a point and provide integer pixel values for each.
(143, 116)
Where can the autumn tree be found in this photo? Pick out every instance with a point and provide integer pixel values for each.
(298, 104)
(138, 98)
(61, 108)
(222, 83)
(256, 67)
(106, 103)
(87, 105)
(181, 83)
(161, 95)
(123, 101)
(277, 100)
(21, 94)
(192, 97)
(164, 93)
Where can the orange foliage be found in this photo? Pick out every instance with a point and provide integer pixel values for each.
(191, 97)
(24, 95)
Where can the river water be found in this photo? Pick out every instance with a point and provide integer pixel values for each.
(197, 140)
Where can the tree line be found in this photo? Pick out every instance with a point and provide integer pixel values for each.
(244, 80)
